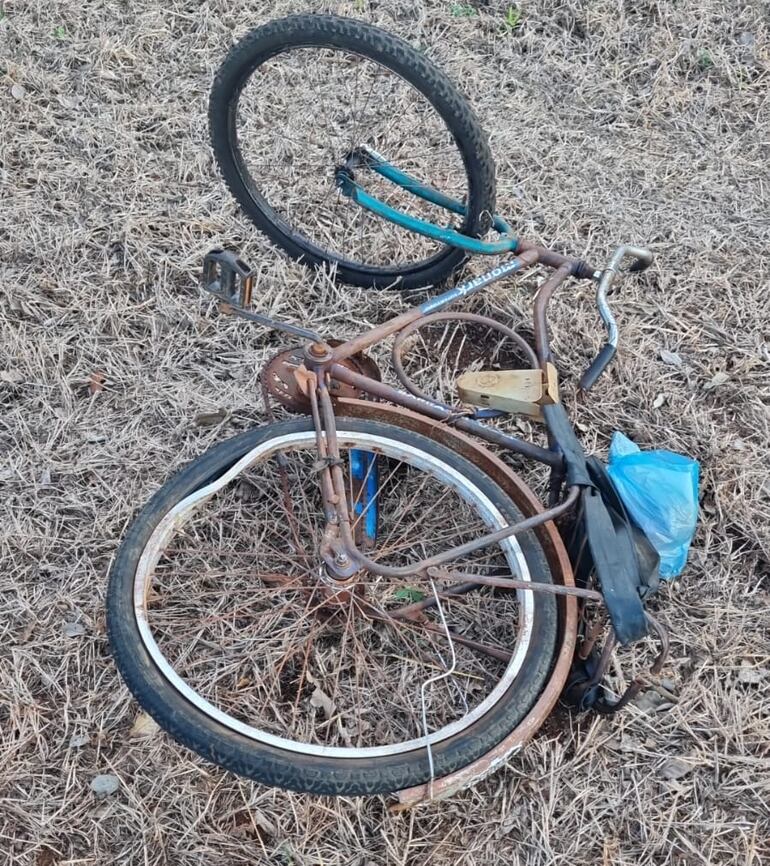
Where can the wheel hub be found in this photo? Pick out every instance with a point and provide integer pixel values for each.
(338, 592)
(326, 592)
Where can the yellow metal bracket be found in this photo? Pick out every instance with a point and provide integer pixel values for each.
(522, 392)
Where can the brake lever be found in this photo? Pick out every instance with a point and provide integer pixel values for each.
(642, 260)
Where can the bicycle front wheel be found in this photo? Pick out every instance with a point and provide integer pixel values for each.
(223, 626)
(296, 96)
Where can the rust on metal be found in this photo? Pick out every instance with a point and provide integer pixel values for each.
(328, 492)
(636, 685)
(346, 542)
(522, 526)
(561, 571)
(364, 341)
(286, 379)
(514, 583)
(542, 299)
(319, 350)
(529, 255)
(577, 268)
(593, 632)
(456, 439)
(440, 412)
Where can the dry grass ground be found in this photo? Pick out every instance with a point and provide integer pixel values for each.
(610, 121)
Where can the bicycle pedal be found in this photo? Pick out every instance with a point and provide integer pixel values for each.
(522, 392)
(228, 278)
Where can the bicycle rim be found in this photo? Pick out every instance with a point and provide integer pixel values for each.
(224, 600)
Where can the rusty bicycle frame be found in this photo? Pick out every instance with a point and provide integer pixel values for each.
(321, 369)
(323, 363)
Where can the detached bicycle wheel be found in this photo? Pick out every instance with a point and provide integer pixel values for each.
(296, 96)
(225, 629)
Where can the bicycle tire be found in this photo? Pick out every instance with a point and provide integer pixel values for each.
(393, 53)
(264, 763)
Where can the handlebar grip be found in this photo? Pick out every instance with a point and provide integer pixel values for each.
(640, 265)
(598, 366)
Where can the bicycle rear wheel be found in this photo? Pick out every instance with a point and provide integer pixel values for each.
(296, 96)
(224, 629)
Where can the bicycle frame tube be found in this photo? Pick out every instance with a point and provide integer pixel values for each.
(384, 168)
(527, 257)
(432, 305)
(436, 233)
(446, 413)
(369, 158)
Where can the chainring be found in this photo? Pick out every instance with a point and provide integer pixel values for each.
(280, 382)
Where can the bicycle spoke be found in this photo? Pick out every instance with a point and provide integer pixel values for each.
(243, 610)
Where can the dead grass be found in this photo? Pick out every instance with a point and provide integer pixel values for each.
(610, 121)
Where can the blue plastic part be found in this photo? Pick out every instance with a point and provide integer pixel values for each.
(660, 491)
(507, 243)
(363, 465)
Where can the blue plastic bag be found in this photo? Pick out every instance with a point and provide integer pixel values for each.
(660, 491)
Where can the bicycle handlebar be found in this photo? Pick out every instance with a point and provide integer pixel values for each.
(642, 260)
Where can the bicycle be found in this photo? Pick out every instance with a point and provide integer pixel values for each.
(390, 605)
